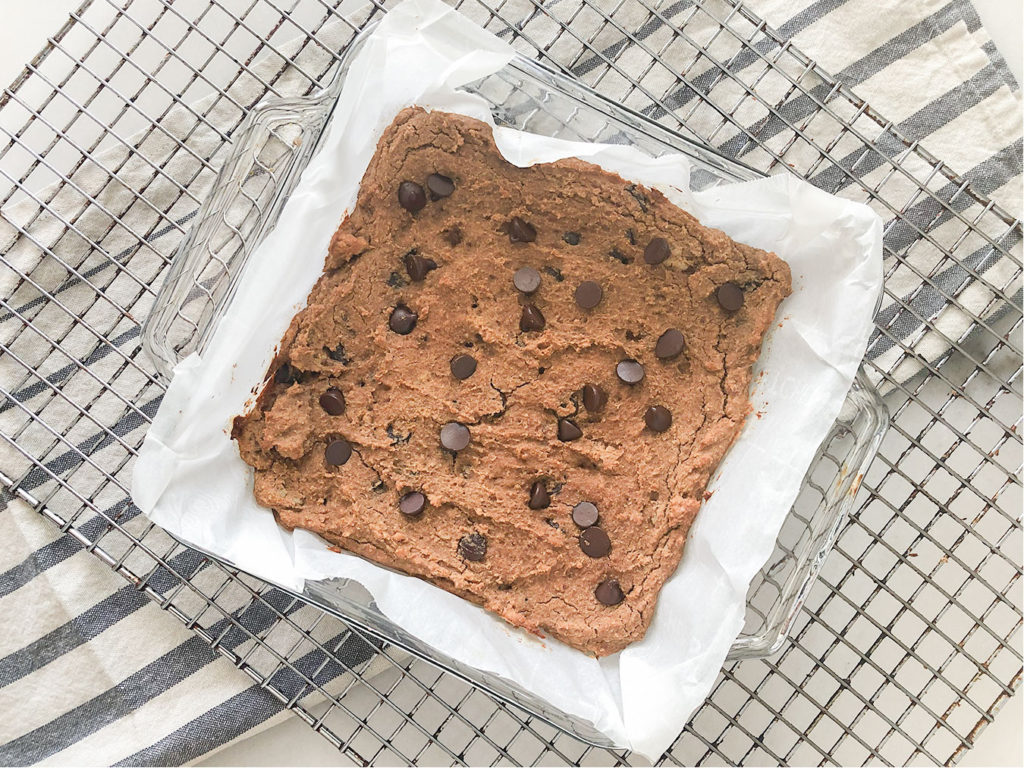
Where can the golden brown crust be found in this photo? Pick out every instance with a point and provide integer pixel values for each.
(399, 389)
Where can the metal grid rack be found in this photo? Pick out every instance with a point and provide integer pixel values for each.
(911, 639)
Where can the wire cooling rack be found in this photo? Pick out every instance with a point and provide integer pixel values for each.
(907, 644)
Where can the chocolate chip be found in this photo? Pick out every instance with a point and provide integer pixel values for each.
(588, 294)
(439, 186)
(412, 504)
(730, 296)
(411, 196)
(531, 319)
(454, 436)
(620, 257)
(595, 542)
(568, 431)
(670, 344)
(337, 452)
(418, 266)
(395, 280)
(337, 354)
(452, 236)
(629, 372)
(520, 231)
(658, 418)
(657, 251)
(572, 238)
(286, 375)
(526, 280)
(585, 514)
(402, 320)
(594, 398)
(609, 592)
(463, 366)
(473, 547)
(333, 401)
(539, 498)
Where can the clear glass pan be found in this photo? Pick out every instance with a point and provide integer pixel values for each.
(270, 151)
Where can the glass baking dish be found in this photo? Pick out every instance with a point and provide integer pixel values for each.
(271, 149)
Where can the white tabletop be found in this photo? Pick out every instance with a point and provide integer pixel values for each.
(23, 32)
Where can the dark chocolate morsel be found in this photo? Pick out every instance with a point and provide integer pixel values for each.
(568, 431)
(412, 504)
(594, 398)
(589, 294)
(454, 436)
(585, 514)
(418, 266)
(629, 372)
(337, 452)
(572, 238)
(439, 186)
(526, 280)
(531, 319)
(463, 366)
(402, 320)
(411, 196)
(609, 592)
(670, 344)
(520, 231)
(730, 296)
(333, 401)
(473, 547)
(595, 542)
(539, 498)
(286, 374)
(658, 418)
(657, 251)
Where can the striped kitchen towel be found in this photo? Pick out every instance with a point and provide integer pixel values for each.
(932, 69)
(92, 672)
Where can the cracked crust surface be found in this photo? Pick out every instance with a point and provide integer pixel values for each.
(400, 391)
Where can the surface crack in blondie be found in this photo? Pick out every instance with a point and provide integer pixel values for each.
(504, 395)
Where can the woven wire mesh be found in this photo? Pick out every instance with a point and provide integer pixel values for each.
(910, 640)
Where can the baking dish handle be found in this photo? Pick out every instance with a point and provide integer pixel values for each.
(270, 149)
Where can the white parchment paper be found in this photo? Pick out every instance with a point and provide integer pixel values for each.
(190, 479)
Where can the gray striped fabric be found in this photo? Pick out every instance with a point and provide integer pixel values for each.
(93, 672)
